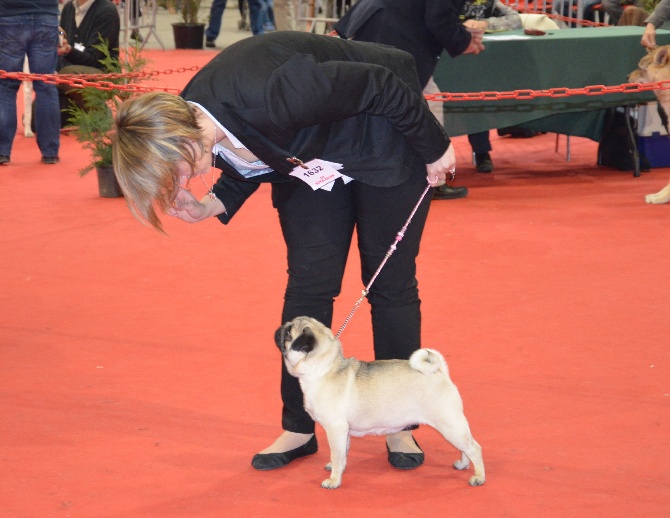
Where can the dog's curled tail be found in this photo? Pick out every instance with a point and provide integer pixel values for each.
(427, 361)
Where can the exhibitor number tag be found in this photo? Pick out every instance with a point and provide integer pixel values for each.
(318, 174)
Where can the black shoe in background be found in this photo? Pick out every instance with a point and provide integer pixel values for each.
(517, 132)
(483, 163)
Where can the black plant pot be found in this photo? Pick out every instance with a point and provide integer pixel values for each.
(188, 35)
(108, 186)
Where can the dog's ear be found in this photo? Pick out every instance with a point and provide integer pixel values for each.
(661, 56)
(279, 337)
(305, 342)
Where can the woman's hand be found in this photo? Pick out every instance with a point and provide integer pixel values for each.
(476, 45)
(476, 24)
(442, 169)
(187, 208)
(649, 36)
(63, 46)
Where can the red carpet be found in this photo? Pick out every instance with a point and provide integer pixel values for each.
(138, 374)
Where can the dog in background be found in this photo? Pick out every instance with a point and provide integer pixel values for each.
(348, 397)
(27, 102)
(652, 68)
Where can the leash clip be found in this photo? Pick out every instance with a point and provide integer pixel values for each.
(297, 162)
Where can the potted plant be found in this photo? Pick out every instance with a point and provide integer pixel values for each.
(93, 117)
(189, 33)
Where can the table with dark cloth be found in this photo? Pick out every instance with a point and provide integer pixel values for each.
(570, 58)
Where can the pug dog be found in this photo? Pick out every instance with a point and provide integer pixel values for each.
(348, 397)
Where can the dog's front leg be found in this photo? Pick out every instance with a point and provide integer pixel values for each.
(338, 442)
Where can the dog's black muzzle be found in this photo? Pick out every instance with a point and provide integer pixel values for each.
(283, 334)
(304, 343)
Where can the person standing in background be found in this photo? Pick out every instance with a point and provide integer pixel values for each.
(214, 26)
(487, 15)
(29, 28)
(424, 28)
(261, 16)
(86, 23)
(658, 17)
(261, 19)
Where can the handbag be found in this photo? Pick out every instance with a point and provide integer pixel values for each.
(616, 149)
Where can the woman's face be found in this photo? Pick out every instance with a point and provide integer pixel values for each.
(203, 164)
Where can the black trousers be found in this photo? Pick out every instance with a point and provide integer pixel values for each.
(480, 142)
(318, 228)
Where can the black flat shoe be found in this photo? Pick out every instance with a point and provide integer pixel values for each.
(446, 192)
(268, 461)
(483, 163)
(401, 460)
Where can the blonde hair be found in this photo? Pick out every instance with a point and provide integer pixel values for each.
(154, 132)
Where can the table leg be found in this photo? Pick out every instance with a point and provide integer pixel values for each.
(633, 142)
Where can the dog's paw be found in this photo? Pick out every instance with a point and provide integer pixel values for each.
(27, 133)
(656, 198)
(462, 464)
(662, 196)
(476, 481)
(330, 483)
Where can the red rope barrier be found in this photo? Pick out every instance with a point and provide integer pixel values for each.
(101, 81)
(104, 82)
(552, 92)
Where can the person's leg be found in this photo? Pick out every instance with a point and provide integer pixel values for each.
(269, 22)
(614, 9)
(215, 16)
(481, 146)
(135, 12)
(257, 16)
(69, 95)
(480, 142)
(317, 227)
(394, 295)
(42, 59)
(14, 32)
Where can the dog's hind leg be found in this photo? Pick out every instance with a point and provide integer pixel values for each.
(458, 434)
(338, 442)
